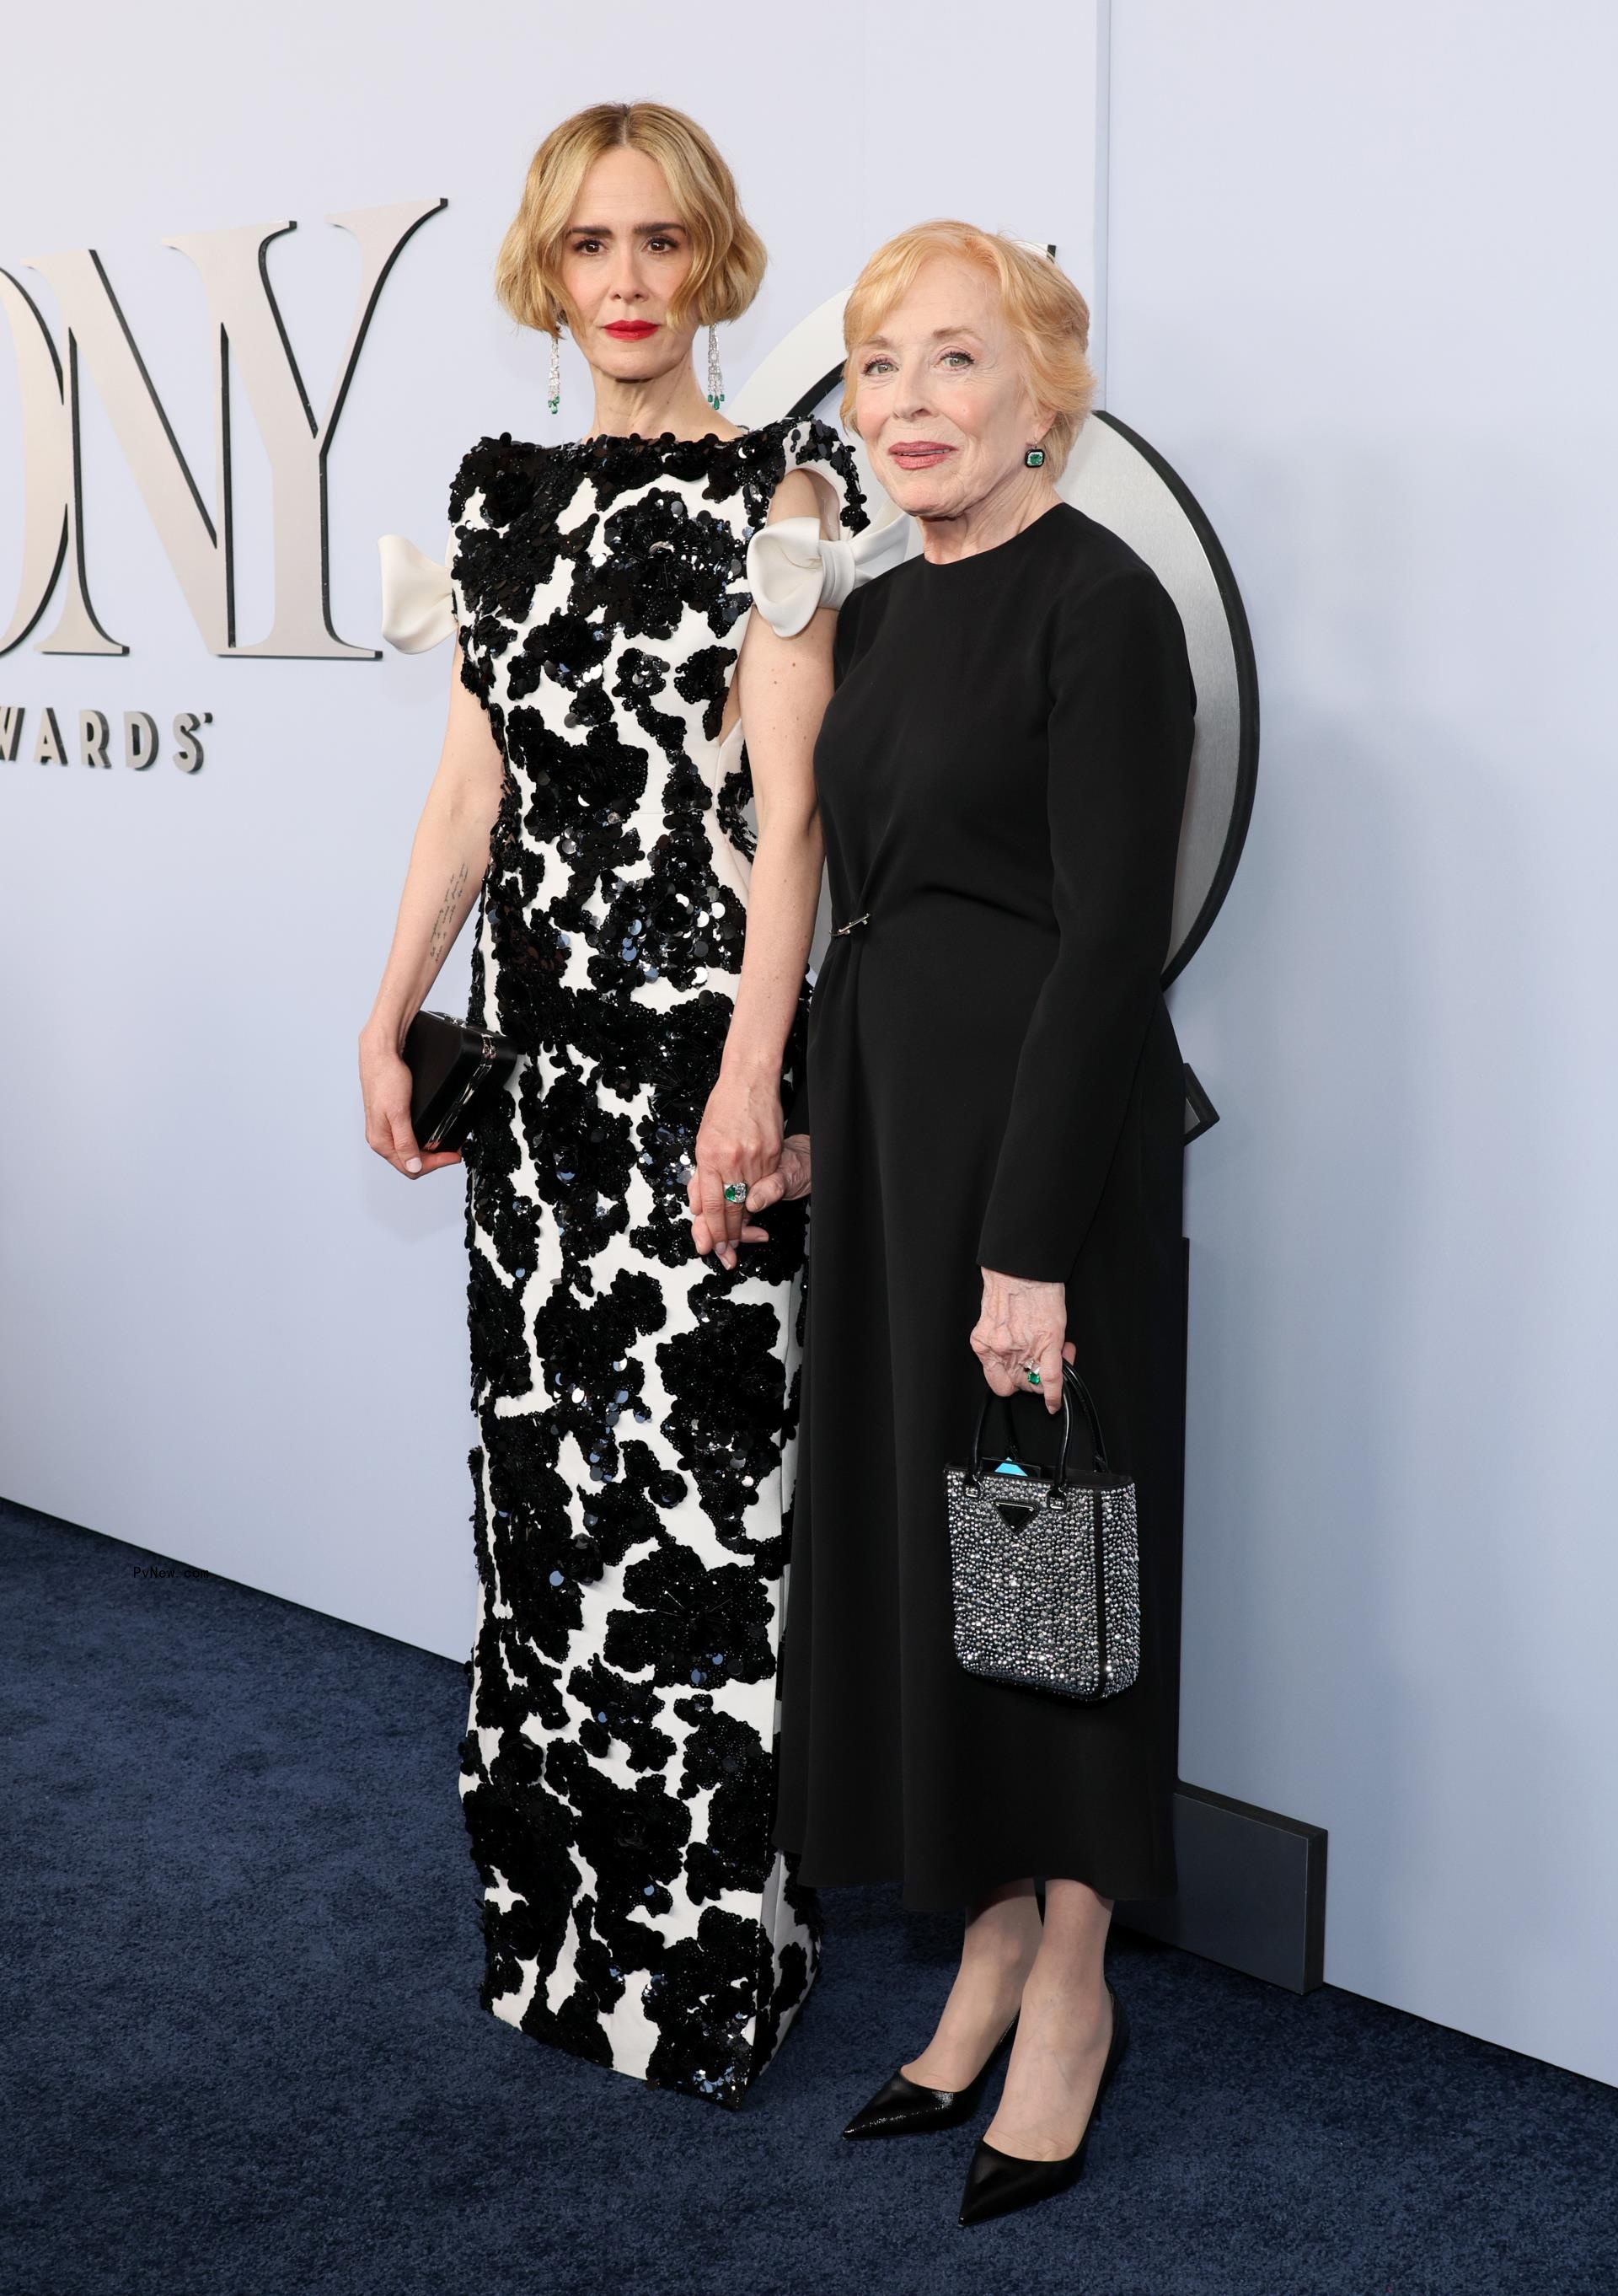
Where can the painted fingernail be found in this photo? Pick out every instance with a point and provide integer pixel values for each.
(414, 1164)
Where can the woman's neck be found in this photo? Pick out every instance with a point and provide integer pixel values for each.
(661, 402)
(1018, 498)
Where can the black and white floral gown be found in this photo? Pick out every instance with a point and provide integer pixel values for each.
(636, 1404)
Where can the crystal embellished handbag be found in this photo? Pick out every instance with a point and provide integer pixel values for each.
(1045, 1568)
(456, 1070)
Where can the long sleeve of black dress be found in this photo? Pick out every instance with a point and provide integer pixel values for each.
(1120, 725)
(795, 1100)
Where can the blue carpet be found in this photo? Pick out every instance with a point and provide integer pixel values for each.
(244, 2053)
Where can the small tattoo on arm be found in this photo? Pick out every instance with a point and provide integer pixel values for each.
(444, 923)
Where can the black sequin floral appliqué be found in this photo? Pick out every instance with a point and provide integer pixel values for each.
(636, 1405)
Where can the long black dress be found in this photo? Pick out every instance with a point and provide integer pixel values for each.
(995, 1082)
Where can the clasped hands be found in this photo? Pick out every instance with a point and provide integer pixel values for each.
(1020, 1324)
(741, 1144)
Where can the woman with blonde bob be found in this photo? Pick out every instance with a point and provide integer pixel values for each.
(995, 1104)
(646, 889)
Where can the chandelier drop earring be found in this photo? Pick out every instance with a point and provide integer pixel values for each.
(715, 391)
(554, 401)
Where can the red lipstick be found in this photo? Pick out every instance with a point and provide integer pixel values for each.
(632, 331)
(920, 454)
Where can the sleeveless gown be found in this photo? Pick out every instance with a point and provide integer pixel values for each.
(634, 1475)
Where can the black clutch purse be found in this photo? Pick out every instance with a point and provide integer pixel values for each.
(455, 1071)
(1045, 1567)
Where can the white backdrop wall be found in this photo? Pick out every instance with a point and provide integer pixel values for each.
(232, 1333)
(1358, 263)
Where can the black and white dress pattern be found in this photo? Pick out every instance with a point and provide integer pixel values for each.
(636, 1404)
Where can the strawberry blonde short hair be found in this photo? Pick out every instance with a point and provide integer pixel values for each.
(1043, 307)
(727, 254)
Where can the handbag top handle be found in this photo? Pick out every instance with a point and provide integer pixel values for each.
(1072, 1385)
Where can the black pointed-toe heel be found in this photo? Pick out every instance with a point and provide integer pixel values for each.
(904, 2108)
(999, 2182)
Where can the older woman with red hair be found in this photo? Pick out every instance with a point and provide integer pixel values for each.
(997, 1128)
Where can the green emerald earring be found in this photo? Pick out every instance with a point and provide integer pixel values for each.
(1034, 457)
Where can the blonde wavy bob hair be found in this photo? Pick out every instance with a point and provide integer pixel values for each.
(1042, 307)
(727, 254)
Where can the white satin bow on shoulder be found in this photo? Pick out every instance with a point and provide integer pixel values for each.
(792, 569)
(417, 613)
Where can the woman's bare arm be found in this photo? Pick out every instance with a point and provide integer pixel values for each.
(783, 685)
(447, 860)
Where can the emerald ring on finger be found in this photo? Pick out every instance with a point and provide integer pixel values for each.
(1031, 1374)
(736, 1192)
